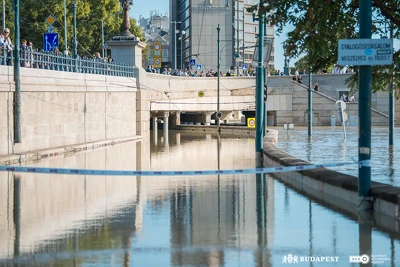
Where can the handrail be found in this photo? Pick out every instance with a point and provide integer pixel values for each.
(61, 62)
(334, 100)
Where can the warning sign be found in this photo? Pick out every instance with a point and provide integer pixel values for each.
(365, 52)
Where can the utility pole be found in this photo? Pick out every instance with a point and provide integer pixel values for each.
(364, 108)
(17, 77)
(391, 102)
(218, 77)
(74, 43)
(102, 38)
(243, 63)
(260, 88)
(310, 110)
(65, 27)
(4, 16)
(237, 38)
(175, 45)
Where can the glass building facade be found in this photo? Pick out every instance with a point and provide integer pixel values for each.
(194, 37)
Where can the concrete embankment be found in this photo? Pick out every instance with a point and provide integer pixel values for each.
(35, 155)
(337, 189)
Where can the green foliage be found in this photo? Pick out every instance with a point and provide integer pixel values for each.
(89, 17)
(320, 24)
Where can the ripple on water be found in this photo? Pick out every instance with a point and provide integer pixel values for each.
(327, 145)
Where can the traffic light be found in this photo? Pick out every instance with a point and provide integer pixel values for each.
(265, 92)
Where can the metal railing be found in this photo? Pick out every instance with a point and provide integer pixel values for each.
(61, 62)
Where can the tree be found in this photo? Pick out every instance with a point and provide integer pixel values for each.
(319, 24)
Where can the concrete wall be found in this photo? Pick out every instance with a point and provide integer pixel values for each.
(62, 108)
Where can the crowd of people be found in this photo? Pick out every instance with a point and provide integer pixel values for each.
(197, 73)
(346, 98)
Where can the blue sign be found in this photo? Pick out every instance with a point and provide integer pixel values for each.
(198, 66)
(244, 66)
(192, 62)
(50, 41)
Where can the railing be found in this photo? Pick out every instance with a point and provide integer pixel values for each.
(61, 62)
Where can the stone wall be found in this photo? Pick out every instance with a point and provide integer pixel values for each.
(62, 108)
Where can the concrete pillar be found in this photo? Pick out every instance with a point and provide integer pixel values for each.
(165, 126)
(155, 125)
(128, 50)
(175, 119)
(207, 117)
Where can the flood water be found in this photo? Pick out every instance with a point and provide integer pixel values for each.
(327, 144)
(225, 220)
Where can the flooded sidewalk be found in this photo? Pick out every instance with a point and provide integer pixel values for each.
(327, 145)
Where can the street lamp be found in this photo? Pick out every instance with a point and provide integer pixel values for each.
(181, 39)
(126, 24)
(74, 42)
(286, 66)
(174, 36)
(237, 55)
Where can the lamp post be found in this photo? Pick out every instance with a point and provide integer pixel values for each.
(364, 108)
(17, 77)
(126, 23)
(260, 89)
(174, 36)
(218, 77)
(74, 42)
(391, 102)
(243, 63)
(237, 56)
(102, 38)
(65, 26)
(181, 39)
(286, 67)
(4, 16)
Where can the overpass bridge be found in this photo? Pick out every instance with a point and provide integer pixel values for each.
(194, 100)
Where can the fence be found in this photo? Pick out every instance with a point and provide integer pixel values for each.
(61, 62)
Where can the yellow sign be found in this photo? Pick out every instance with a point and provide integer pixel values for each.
(157, 63)
(200, 93)
(50, 20)
(157, 55)
(251, 122)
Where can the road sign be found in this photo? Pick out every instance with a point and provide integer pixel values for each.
(251, 122)
(192, 62)
(50, 41)
(50, 19)
(157, 63)
(244, 66)
(198, 66)
(365, 52)
(50, 29)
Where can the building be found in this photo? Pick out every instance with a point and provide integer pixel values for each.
(196, 21)
(156, 31)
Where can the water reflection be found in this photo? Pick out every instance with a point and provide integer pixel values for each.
(216, 220)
